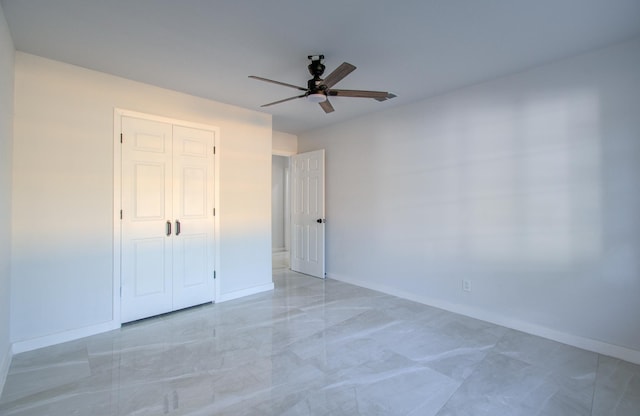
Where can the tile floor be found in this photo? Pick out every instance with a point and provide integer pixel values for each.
(316, 347)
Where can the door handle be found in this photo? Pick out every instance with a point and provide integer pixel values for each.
(168, 228)
(321, 220)
(177, 227)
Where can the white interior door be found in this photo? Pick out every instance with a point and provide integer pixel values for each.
(307, 213)
(147, 201)
(193, 242)
(167, 247)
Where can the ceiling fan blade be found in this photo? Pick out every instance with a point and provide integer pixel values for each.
(282, 101)
(326, 106)
(388, 97)
(338, 74)
(378, 95)
(277, 82)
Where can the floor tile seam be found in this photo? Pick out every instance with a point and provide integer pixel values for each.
(476, 369)
(452, 394)
(548, 373)
(542, 383)
(383, 350)
(521, 361)
(479, 364)
(500, 339)
(622, 391)
(376, 377)
(548, 370)
(485, 354)
(595, 385)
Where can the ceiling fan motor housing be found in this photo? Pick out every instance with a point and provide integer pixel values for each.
(315, 86)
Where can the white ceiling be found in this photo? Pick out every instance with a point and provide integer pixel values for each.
(413, 48)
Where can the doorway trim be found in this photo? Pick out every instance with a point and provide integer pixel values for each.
(118, 113)
(287, 225)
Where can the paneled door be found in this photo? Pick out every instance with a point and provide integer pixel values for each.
(193, 242)
(167, 225)
(307, 213)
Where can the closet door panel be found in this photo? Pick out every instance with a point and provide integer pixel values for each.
(146, 246)
(194, 248)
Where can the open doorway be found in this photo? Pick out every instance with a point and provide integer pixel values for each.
(280, 215)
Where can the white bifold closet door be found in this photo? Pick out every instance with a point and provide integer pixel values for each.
(167, 247)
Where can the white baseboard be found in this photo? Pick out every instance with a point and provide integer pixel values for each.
(588, 344)
(245, 292)
(73, 334)
(5, 362)
(65, 336)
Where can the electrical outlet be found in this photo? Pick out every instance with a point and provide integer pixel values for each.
(466, 285)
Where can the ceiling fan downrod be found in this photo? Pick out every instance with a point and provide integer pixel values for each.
(315, 85)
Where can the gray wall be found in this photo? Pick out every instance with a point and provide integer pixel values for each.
(528, 186)
(6, 139)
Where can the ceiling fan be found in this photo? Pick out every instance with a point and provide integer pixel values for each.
(319, 90)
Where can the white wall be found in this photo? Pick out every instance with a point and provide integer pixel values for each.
(6, 138)
(279, 170)
(63, 190)
(284, 144)
(529, 186)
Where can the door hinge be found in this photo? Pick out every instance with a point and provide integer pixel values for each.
(214, 274)
(120, 214)
(214, 212)
(120, 137)
(214, 150)
(120, 290)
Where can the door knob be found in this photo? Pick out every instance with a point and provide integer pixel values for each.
(321, 220)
